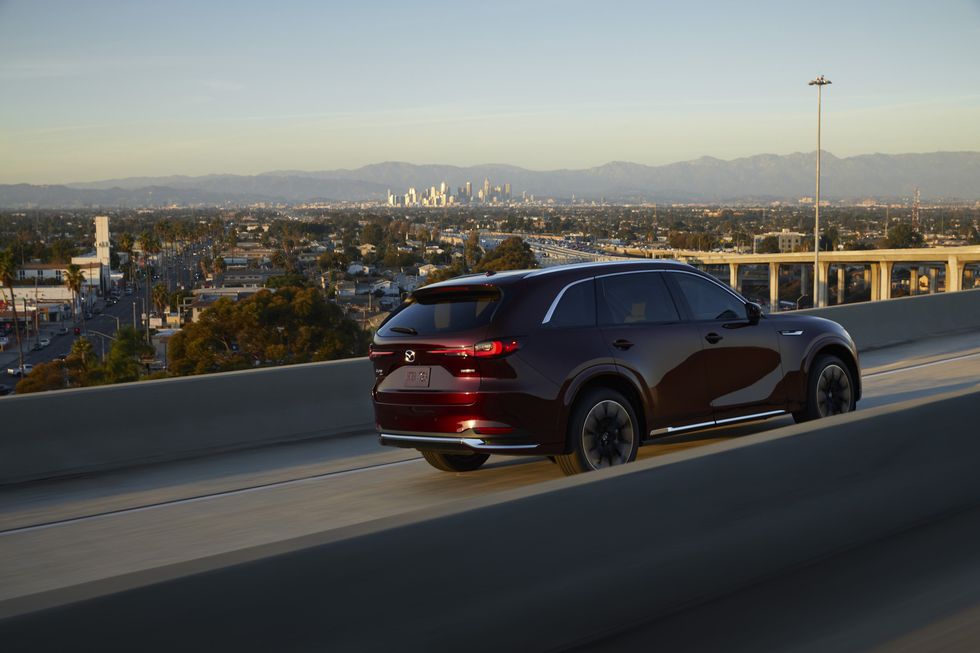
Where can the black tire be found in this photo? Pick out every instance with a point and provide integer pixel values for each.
(453, 462)
(603, 431)
(829, 390)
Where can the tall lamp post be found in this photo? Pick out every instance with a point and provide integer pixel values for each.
(819, 82)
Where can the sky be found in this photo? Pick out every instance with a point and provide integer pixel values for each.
(98, 89)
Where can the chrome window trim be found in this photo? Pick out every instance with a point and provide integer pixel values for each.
(561, 293)
(592, 264)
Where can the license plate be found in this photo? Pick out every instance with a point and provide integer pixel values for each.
(417, 377)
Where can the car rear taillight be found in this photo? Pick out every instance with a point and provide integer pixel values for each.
(485, 349)
(374, 355)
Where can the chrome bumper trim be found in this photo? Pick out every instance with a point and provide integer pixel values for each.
(472, 443)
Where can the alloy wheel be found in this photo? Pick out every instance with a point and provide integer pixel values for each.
(833, 391)
(607, 435)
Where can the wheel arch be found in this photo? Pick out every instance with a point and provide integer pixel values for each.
(841, 351)
(606, 378)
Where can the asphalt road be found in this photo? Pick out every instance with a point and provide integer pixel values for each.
(61, 345)
(64, 533)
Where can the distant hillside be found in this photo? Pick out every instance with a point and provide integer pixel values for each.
(939, 175)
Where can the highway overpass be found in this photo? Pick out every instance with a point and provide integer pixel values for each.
(255, 510)
(947, 269)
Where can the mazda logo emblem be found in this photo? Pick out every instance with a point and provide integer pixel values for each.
(409, 356)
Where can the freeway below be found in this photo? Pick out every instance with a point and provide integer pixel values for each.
(126, 527)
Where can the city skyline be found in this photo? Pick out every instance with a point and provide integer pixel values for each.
(116, 90)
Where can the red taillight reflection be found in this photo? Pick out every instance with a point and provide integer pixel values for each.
(485, 349)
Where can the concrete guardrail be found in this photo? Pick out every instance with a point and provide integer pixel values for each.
(547, 567)
(92, 429)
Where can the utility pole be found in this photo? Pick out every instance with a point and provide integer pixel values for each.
(819, 82)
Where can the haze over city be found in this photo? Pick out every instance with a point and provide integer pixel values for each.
(102, 90)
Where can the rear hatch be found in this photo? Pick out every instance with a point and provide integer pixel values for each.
(430, 351)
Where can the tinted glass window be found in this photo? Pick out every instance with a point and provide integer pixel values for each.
(635, 299)
(576, 308)
(443, 313)
(709, 301)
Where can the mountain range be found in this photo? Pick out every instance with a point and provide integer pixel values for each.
(764, 177)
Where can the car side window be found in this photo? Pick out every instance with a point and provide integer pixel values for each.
(635, 299)
(576, 308)
(709, 301)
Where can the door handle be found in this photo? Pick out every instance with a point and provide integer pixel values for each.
(713, 337)
(622, 344)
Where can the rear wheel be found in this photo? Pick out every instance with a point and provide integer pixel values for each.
(603, 432)
(829, 391)
(452, 462)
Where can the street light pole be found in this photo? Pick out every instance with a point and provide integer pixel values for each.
(819, 82)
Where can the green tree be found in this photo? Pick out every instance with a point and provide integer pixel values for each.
(123, 361)
(74, 280)
(511, 254)
(161, 298)
(289, 279)
(372, 233)
(291, 325)
(768, 245)
(8, 271)
(472, 251)
(904, 236)
(46, 376)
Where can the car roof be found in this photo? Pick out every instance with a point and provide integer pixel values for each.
(567, 270)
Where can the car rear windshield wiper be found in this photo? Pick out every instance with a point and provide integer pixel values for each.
(407, 330)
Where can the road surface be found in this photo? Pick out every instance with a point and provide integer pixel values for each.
(60, 534)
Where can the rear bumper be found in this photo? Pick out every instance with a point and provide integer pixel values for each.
(467, 442)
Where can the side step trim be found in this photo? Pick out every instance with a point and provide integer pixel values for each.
(716, 422)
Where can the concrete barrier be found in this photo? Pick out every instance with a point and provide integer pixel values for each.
(880, 324)
(91, 429)
(552, 566)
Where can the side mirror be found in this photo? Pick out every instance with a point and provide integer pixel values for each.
(754, 312)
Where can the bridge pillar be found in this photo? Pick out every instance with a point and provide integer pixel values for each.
(773, 287)
(954, 274)
(933, 280)
(734, 278)
(841, 282)
(805, 287)
(823, 274)
(874, 272)
(886, 280)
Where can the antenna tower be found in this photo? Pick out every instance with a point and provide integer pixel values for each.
(915, 211)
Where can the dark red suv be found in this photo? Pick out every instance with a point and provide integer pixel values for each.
(584, 362)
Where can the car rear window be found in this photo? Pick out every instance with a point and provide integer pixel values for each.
(444, 311)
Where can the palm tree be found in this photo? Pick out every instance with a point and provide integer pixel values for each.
(126, 244)
(161, 297)
(74, 280)
(7, 270)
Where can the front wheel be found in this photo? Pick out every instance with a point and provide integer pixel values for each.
(603, 432)
(829, 390)
(451, 462)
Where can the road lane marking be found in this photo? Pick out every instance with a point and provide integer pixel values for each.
(205, 497)
(921, 365)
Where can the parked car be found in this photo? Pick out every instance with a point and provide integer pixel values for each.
(584, 363)
(5, 389)
(44, 342)
(20, 371)
(62, 331)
